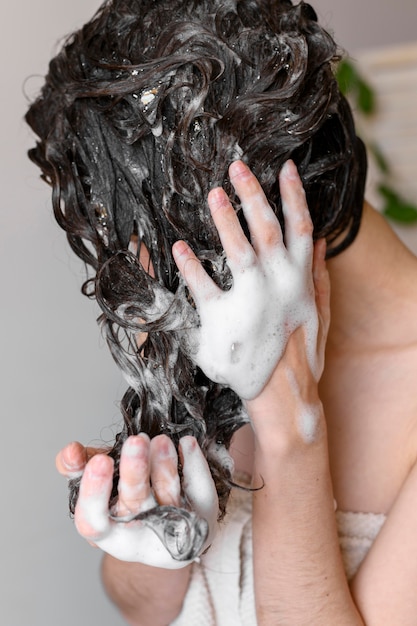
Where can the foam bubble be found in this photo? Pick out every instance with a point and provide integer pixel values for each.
(244, 331)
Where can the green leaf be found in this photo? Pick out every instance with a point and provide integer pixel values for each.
(396, 208)
(347, 77)
(352, 84)
(365, 98)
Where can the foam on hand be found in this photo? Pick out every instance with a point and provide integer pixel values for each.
(161, 536)
(243, 332)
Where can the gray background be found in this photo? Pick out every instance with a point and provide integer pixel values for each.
(57, 380)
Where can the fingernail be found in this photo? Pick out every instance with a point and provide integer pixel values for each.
(237, 168)
(179, 248)
(188, 444)
(67, 461)
(289, 170)
(217, 198)
(164, 447)
(133, 446)
(98, 466)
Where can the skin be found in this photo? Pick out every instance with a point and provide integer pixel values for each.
(143, 460)
(363, 454)
(243, 350)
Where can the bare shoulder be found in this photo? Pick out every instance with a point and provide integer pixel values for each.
(370, 379)
(370, 403)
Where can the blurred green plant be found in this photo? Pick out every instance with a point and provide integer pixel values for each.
(363, 97)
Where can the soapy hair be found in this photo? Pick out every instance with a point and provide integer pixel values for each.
(141, 113)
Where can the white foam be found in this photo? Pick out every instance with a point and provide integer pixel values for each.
(308, 415)
(148, 96)
(133, 540)
(308, 420)
(220, 452)
(244, 331)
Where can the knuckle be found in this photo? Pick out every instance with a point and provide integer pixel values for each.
(304, 224)
(306, 228)
(271, 237)
(133, 490)
(167, 493)
(243, 259)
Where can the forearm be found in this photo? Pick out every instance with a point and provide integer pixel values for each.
(298, 571)
(146, 596)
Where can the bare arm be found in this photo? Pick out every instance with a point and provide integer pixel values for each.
(385, 586)
(146, 596)
(298, 572)
(299, 578)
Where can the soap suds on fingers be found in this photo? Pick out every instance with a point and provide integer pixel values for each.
(243, 332)
(163, 535)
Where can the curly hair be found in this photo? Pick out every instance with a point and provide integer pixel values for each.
(140, 115)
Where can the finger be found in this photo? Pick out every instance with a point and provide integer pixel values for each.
(134, 486)
(71, 460)
(195, 276)
(91, 512)
(238, 250)
(298, 224)
(198, 482)
(164, 471)
(263, 224)
(321, 281)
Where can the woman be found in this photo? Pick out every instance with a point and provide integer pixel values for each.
(141, 115)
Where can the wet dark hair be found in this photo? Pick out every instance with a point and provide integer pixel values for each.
(140, 115)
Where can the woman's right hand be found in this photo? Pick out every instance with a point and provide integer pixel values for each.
(148, 478)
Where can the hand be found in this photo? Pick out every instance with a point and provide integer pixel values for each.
(146, 526)
(244, 331)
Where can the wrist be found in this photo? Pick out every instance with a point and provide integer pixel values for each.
(287, 414)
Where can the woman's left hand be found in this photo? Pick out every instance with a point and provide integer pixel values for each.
(278, 286)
